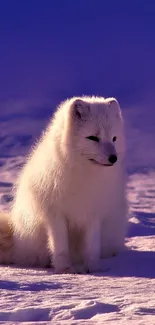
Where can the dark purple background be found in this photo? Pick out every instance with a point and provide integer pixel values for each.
(54, 49)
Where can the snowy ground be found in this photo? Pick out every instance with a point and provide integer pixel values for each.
(125, 292)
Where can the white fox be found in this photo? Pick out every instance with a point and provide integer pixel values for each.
(70, 197)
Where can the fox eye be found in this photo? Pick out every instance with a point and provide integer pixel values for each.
(93, 138)
(114, 139)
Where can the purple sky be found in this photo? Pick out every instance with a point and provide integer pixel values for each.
(62, 48)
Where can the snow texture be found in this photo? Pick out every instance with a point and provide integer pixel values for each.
(124, 293)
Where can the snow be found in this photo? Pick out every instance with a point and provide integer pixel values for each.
(124, 293)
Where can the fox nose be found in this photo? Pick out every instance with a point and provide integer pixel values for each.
(112, 159)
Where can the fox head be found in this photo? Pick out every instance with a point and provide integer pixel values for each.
(94, 130)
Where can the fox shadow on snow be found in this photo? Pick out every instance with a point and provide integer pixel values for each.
(35, 286)
(132, 263)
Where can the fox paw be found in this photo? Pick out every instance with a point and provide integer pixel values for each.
(93, 267)
(65, 270)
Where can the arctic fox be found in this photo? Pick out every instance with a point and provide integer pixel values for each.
(70, 201)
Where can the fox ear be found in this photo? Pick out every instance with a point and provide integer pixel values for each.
(113, 103)
(80, 109)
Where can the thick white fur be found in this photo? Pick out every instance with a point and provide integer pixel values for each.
(67, 208)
